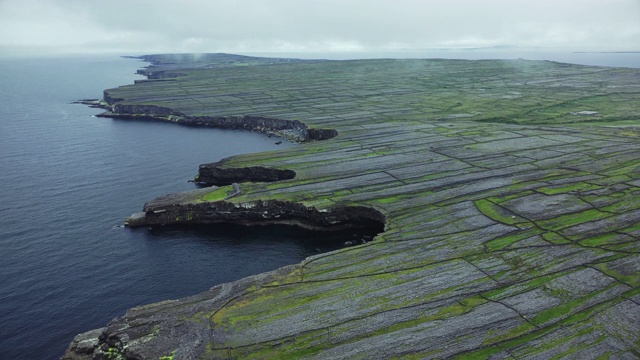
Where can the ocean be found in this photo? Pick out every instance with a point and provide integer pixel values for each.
(68, 180)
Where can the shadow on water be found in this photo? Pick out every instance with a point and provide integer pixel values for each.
(256, 238)
(173, 262)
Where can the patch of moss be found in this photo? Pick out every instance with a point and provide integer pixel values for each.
(168, 357)
(599, 240)
(610, 180)
(575, 187)
(504, 241)
(564, 221)
(522, 287)
(461, 307)
(627, 202)
(626, 169)
(630, 279)
(486, 352)
(555, 238)
(218, 194)
(578, 347)
(520, 330)
(498, 213)
(498, 199)
(566, 309)
(114, 354)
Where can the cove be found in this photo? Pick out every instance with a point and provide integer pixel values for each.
(69, 179)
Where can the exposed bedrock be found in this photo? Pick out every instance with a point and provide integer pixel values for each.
(261, 212)
(214, 174)
(159, 74)
(160, 330)
(291, 129)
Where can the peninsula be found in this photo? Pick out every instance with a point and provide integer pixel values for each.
(505, 195)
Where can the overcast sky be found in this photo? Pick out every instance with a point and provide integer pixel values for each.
(142, 26)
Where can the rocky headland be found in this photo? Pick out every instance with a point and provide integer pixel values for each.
(508, 221)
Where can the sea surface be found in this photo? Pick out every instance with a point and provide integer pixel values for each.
(68, 179)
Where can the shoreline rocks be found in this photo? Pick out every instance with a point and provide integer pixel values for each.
(215, 174)
(167, 211)
(290, 129)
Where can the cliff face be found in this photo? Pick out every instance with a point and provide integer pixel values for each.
(109, 99)
(291, 129)
(216, 174)
(141, 110)
(160, 329)
(259, 213)
(506, 234)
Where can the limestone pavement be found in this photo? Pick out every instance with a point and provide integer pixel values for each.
(511, 192)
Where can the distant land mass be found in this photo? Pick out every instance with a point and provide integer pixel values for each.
(502, 198)
(607, 52)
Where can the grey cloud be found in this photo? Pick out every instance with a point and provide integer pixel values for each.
(320, 25)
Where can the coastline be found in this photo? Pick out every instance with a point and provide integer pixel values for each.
(463, 247)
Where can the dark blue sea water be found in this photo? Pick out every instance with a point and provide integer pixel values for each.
(67, 180)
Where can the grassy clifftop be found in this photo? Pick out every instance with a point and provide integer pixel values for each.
(511, 191)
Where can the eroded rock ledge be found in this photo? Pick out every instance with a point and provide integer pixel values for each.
(215, 174)
(261, 212)
(291, 129)
(159, 330)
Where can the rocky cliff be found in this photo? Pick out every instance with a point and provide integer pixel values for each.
(217, 174)
(291, 129)
(260, 212)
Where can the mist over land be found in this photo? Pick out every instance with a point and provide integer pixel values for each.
(72, 27)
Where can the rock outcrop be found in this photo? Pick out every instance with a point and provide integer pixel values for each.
(291, 129)
(216, 174)
(267, 212)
